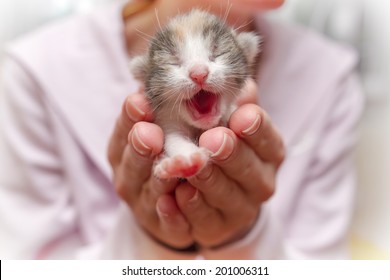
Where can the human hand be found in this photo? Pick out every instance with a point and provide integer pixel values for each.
(218, 205)
(134, 144)
(223, 201)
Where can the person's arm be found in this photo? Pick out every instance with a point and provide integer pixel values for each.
(320, 227)
(37, 216)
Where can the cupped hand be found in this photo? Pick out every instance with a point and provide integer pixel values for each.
(222, 202)
(133, 147)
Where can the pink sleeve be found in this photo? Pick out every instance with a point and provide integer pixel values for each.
(321, 224)
(37, 217)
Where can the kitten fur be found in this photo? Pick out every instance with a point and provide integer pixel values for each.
(194, 69)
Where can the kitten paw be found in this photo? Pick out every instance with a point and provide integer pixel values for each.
(182, 166)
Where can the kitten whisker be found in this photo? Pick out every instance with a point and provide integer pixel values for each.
(227, 12)
(157, 18)
(245, 24)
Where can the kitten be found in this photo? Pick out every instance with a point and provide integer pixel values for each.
(193, 71)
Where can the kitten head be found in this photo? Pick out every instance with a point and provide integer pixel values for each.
(196, 66)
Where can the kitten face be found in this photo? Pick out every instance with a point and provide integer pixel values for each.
(195, 67)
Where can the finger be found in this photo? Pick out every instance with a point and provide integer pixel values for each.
(206, 222)
(134, 109)
(226, 195)
(156, 212)
(248, 93)
(145, 142)
(162, 219)
(240, 163)
(218, 190)
(254, 125)
(173, 223)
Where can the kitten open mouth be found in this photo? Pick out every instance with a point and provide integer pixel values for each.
(204, 104)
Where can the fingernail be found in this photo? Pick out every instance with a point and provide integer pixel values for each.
(226, 148)
(253, 128)
(195, 196)
(161, 214)
(139, 145)
(205, 173)
(133, 111)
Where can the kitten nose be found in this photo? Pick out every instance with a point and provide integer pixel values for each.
(199, 73)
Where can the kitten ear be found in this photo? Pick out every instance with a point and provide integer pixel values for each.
(138, 67)
(250, 44)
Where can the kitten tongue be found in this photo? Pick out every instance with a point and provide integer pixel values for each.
(204, 102)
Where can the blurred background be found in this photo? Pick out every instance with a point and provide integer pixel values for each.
(363, 24)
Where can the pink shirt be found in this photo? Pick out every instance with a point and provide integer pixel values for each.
(63, 87)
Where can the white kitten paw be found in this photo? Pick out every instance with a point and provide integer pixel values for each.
(180, 166)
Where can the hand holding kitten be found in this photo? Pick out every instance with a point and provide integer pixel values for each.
(222, 202)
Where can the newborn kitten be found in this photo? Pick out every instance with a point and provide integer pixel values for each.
(193, 71)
